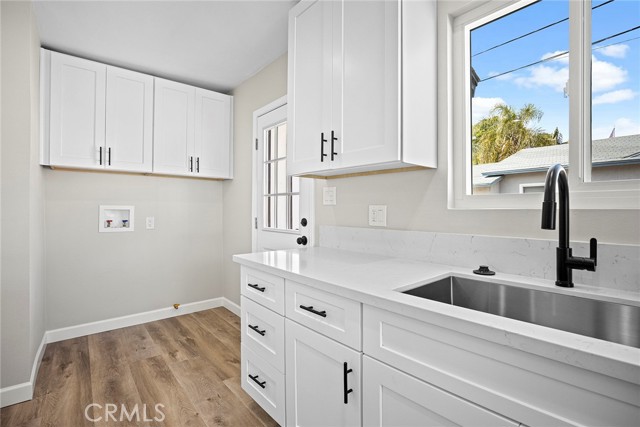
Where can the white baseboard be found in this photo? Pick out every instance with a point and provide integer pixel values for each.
(24, 391)
(131, 320)
(231, 306)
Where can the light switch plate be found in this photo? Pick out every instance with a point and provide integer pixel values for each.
(378, 215)
(151, 223)
(329, 196)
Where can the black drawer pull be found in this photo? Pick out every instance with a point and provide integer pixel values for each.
(257, 329)
(310, 309)
(347, 390)
(333, 140)
(255, 379)
(322, 141)
(256, 287)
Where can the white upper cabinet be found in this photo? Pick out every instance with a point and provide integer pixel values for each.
(192, 131)
(77, 112)
(213, 134)
(129, 121)
(173, 128)
(356, 101)
(95, 116)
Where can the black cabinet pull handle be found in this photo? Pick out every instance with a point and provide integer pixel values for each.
(100, 156)
(198, 164)
(109, 156)
(257, 329)
(322, 141)
(310, 309)
(191, 164)
(260, 383)
(347, 390)
(333, 139)
(256, 287)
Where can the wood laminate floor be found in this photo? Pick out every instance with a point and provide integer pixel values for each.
(189, 364)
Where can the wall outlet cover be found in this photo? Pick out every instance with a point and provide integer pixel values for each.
(378, 215)
(150, 223)
(329, 196)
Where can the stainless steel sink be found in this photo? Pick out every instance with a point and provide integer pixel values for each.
(607, 321)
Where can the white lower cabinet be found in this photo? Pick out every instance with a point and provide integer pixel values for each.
(264, 383)
(323, 380)
(393, 398)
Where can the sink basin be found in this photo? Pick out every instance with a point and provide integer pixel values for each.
(618, 323)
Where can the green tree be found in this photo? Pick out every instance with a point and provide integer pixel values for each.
(507, 131)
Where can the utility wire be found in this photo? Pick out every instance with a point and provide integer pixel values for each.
(559, 55)
(536, 31)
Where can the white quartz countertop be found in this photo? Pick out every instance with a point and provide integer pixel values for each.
(376, 280)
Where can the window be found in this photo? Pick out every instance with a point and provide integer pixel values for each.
(281, 192)
(539, 82)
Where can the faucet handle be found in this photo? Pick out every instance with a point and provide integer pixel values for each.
(593, 250)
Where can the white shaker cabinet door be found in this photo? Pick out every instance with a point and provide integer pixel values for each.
(212, 135)
(173, 130)
(323, 380)
(129, 120)
(77, 112)
(393, 398)
(311, 70)
(366, 116)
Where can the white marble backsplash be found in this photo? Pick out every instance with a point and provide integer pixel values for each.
(618, 265)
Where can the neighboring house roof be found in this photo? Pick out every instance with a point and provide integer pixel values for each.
(615, 151)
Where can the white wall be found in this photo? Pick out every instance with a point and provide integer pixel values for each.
(22, 225)
(94, 276)
(266, 86)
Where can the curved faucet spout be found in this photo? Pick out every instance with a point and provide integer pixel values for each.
(565, 262)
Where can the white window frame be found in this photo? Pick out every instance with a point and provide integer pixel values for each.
(456, 19)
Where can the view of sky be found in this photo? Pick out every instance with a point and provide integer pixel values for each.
(615, 65)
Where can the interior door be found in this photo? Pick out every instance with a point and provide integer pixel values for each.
(282, 204)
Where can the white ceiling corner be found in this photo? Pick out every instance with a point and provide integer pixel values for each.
(214, 44)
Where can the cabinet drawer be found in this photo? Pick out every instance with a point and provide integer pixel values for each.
(327, 313)
(393, 398)
(263, 332)
(263, 288)
(264, 384)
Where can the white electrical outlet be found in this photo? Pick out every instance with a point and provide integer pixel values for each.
(378, 215)
(151, 223)
(329, 196)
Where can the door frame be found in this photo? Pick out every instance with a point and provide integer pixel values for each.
(310, 228)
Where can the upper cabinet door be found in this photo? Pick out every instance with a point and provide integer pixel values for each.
(77, 112)
(367, 110)
(212, 135)
(310, 86)
(173, 151)
(129, 123)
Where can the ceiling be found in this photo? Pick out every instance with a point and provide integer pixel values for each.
(214, 44)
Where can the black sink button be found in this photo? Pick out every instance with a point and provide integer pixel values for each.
(483, 270)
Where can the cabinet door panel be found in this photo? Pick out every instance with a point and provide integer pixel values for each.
(368, 121)
(212, 134)
(77, 124)
(315, 380)
(310, 86)
(393, 398)
(173, 136)
(129, 120)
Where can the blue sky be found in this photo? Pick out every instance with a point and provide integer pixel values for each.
(616, 68)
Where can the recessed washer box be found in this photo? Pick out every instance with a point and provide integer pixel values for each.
(115, 219)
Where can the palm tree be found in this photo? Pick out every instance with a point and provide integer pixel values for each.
(506, 131)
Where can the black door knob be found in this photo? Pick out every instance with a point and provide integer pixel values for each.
(303, 222)
(302, 240)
